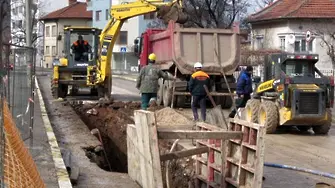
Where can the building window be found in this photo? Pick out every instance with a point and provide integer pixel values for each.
(47, 31)
(123, 38)
(259, 42)
(47, 50)
(53, 31)
(97, 15)
(14, 25)
(310, 46)
(53, 50)
(282, 43)
(21, 9)
(300, 45)
(19, 24)
(150, 16)
(107, 14)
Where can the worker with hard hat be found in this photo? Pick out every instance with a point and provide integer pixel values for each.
(147, 81)
(196, 87)
(243, 89)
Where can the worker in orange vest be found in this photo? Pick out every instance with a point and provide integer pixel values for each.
(80, 49)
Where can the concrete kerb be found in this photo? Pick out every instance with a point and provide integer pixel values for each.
(62, 174)
(124, 77)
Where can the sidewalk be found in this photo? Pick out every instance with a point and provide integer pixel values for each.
(41, 151)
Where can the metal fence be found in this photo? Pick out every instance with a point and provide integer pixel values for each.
(17, 69)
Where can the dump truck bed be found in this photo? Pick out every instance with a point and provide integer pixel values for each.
(185, 46)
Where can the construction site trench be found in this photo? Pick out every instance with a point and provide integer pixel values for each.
(112, 119)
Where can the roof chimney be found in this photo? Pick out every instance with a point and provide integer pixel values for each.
(72, 1)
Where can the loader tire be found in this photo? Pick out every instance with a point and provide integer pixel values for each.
(160, 95)
(252, 110)
(54, 91)
(324, 129)
(268, 116)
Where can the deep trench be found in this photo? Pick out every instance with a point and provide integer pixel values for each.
(116, 158)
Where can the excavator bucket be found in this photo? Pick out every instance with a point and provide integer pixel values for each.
(174, 12)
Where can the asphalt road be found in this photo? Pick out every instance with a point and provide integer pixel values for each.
(125, 90)
(303, 150)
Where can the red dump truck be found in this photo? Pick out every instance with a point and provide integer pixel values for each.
(178, 49)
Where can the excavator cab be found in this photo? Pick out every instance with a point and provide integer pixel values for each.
(71, 69)
(81, 55)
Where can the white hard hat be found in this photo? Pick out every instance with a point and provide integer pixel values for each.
(197, 65)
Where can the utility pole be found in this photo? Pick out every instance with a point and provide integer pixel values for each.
(28, 23)
(30, 67)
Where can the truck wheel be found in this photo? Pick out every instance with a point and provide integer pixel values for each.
(160, 92)
(324, 129)
(167, 93)
(252, 110)
(179, 101)
(268, 116)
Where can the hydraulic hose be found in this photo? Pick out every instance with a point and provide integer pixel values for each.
(315, 172)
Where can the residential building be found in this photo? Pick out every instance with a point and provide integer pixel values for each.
(284, 24)
(18, 28)
(75, 14)
(130, 30)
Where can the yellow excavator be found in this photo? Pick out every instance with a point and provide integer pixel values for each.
(94, 69)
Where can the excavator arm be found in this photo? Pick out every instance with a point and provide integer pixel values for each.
(120, 13)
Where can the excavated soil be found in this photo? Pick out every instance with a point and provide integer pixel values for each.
(111, 120)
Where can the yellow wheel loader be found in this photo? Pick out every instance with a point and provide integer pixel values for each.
(294, 93)
(95, 71)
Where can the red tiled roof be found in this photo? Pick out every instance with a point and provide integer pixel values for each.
(296, 9)
(76, 10)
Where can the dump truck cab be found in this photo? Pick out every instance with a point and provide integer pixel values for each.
(294, 92)
(71, 68)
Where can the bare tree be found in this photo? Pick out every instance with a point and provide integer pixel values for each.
(20, 31)
(156, 23)
(325, 31)
(263, 3)
(214, 13)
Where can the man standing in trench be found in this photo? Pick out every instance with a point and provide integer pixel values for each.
(147, 81)
(243, 89)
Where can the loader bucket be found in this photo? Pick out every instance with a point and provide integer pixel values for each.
(175, 13)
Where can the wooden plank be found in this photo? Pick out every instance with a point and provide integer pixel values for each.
(260, 153)
(244, 123)
(134, 169)
(209, 126)
(151, 172)
(185, 153)
(188, 134)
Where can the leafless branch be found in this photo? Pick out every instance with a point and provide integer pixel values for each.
(214, 13)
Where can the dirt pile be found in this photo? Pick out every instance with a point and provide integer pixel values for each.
(168, 117)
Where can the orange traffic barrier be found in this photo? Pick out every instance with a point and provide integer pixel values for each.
(20, 170)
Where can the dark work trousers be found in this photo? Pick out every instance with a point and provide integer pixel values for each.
(202, 101)
(145, 99)
(241, 104)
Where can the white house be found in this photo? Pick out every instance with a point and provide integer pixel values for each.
(285, 23)
(75, 14)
